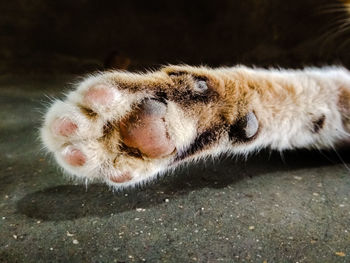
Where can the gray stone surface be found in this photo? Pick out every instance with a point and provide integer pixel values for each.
(266, 209)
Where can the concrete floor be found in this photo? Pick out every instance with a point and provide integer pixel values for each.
(268, 209)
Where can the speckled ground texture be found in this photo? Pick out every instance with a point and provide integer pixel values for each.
(271, 208)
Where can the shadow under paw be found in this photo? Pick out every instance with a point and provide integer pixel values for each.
(69, 202)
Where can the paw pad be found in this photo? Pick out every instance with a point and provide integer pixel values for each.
(121, 179)
(74, 157)
(63, 127)
(146, 131)
(99, 95)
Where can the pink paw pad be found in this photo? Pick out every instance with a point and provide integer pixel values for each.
(121, 178)
(100, 94)
(63, 127)
(74, 157)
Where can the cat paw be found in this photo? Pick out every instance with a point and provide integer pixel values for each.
(124, 128)
(113, 128)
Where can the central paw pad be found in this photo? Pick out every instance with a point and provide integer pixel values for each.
(145, 129)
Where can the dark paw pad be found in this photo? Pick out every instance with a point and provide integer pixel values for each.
(245, 128)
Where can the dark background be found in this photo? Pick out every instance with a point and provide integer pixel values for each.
(77, 36)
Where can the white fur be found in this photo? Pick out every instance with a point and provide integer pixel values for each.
(317, 94)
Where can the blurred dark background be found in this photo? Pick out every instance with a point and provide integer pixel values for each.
(85, 35)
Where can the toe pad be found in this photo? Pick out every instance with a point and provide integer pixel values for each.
(63, 127)
(74, 157)
(99, 95)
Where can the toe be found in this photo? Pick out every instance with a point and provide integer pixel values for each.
(74, 157)
(63, 127)
(99, 95)
(126, 177)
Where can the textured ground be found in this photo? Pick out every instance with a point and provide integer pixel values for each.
(268, 209)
